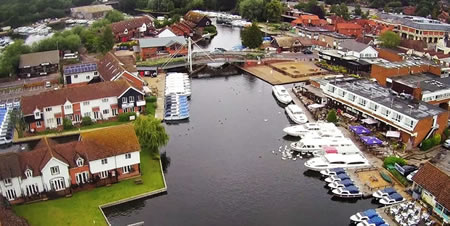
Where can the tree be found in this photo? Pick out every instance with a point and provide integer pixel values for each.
(357, 10)
(86, 121)
(389, 39)
(127, 5)
(251, 9)
(67, 123)
(105, 42)
(114, 16)
(151, 134)
(9, 59)
(18, 121)
(365, 15)
(251, 36)
(332, 117)
(334, 9)
(343, 11)
(274, 9)
(82, 2)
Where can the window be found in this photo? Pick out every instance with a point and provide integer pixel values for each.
(126, 169)
(95, 73)
(58, 121)
(7, 181)
(397, 117)
(385, 112)
(54, 170)
(104, 100)
(50, 120)
(114, 112)
(88, 77)
(96, 115)
(87, 114)
(373, 106)
(77, 118)
(362, 102)
(124, 100)
(80, 162)
(351, 97)
(86, 103)
(104, 174)
(331, 89)
(82, 178)
(58, 184)
(75, 76)
(48, 109)
(408, 122)
(104, 161)
(341, 92)
(128, 156)
(106, 111)
(131, 99)
(37, 114)
(28, 173)
(32, 189)
(11, 194)
(67, 107)
(38, 124)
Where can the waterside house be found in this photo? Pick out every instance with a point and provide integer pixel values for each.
(90, 12)
(114, 68)
(292, 44)
(99, 101)
(197, 21)
(156, 47)
(38, 64)
(99, 157)
(138, 27)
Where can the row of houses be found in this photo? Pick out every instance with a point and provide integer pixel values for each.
(100, 157)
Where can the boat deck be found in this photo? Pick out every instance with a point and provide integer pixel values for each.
(299, 103)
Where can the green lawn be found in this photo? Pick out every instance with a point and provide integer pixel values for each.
(82, 207)
(93, 126)
(150, 107)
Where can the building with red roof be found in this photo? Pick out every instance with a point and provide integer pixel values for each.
(349, 29)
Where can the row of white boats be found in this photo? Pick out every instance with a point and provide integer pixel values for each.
(323, 140)
(177, 93)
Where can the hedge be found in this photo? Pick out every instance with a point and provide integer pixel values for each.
(391, 160)
(125, 117)
(430, 142)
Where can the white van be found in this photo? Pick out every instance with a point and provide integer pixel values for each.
(69, 56)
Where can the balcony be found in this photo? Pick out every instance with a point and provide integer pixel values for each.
(128, 105)
(140, 103)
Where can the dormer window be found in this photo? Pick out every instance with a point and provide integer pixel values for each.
(7, 181)
(37, 114)
(125, 31)
(80, 162)
(28, 173)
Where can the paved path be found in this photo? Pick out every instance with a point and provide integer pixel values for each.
(158, 84)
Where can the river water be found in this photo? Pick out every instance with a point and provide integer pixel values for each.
(223, 172)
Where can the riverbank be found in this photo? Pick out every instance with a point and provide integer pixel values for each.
(83, 207)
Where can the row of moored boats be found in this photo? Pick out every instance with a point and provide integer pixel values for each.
(178, 91)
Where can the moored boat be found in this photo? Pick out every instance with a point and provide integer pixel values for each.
(281, 94)
(347, 192)
(296, 114)
(366, 215)
(329, 161)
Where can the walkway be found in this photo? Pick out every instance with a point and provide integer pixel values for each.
(299, 103)
(158, 85)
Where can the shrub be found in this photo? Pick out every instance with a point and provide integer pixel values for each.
(210, 29)
(332, 117)
(86, 121)
(67, 123)
(391, 160)
(125, 117)
(447, 132)
(436, 139)
(426, 144)
(399, 177)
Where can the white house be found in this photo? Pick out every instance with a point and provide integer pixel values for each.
(108, 155)
(80, 73)
(350, 47)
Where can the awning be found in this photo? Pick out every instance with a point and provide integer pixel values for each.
(371, 140)
(315, 106)
(369, 121)
(359, 130)
(394, 134)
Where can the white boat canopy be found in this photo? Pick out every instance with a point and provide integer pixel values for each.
(369, 121)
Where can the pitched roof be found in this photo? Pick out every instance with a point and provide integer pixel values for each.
(113, 141)
(194, 17)
(130, 24)
(348, 26)
(353, 45)
(110, 67)
(287, 41)
(9, 165)
(79, 68)
(435, 181)
(309, 17)
(164, 41)
(73, 94)
(34, 59)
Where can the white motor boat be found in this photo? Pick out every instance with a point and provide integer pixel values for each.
(391, 199)
(347, 192)
(317, 145)
(362, 216)
(296, 114)
(281, 94)
(302, 130)
(374, 221)
(339, 177)
(330, 172)
(329, 161)
(341, 184)
(384, 193)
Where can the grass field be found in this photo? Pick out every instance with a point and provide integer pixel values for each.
(82, 208)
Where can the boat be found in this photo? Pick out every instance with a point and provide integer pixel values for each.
(384, 192)
(347, 192)
(296, 114)
(362, 216)
(302, 130)
(339, 177)
(386, 177)
(391, 199)
(176, 108)
(330, 172)
(341, 184)
(374, 221)
(281, 94)
(329, 161)
(319, 145)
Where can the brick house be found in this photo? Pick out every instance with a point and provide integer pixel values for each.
(99, 101)
(308, 20)
(80, 74)
(113, 68)
(133, 28)
(349, 29)
(38, 64)
(197, 21)
(101, 156)
(155, 47)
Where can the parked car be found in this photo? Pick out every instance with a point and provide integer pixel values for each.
(446, 144)
(48, 84)
(307, 51)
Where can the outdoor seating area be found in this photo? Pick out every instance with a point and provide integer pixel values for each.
(409, 214)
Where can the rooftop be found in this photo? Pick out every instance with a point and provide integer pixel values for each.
(436, 181)
(79, 68)
(414, 21)
(164, 41)
(386, 97)
(35, 59)
(92, 8)
(353, 45)
(338, 36)
(313, 29)
(427, 82)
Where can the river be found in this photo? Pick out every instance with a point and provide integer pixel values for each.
(222, 170)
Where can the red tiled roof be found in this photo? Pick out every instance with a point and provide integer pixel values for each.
(9, 165)
(73, 94)
(348, 26)
(309, 17)
(194, 16)
(435, 181)
(111, 68)
(120, 27)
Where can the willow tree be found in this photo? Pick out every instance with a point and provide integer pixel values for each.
(151, 134)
